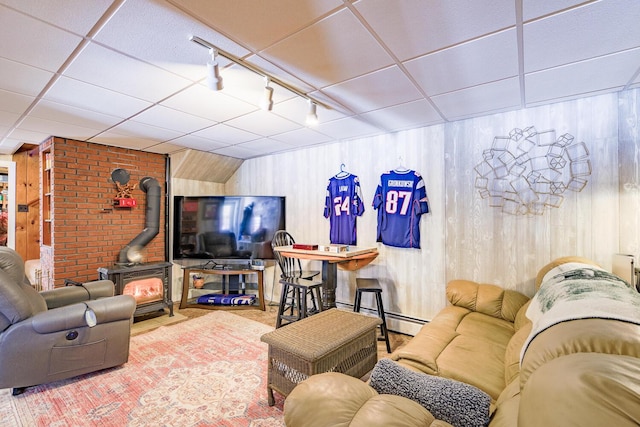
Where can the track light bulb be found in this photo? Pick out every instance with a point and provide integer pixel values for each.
(312, 116)
(267, 97)
(214, 79)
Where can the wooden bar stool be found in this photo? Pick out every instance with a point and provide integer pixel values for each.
(293, 299)
(372, 285)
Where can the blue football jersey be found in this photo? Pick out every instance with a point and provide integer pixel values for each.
(342, 205)
(401, 198)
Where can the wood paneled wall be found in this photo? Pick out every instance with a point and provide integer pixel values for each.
(28, 194)
(462, 236)
(629, 182)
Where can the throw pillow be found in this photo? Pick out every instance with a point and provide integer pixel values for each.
(459, 404)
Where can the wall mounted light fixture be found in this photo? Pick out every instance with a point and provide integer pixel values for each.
(214, 79)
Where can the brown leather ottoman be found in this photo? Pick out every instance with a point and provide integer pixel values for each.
(331, 341)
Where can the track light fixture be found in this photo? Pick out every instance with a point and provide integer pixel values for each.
(267, 97)
(214, 80)
(312, 116)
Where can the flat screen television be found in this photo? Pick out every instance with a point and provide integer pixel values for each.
(226, 227)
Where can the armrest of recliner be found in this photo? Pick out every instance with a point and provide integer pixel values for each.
(61, 297)
(120, 307)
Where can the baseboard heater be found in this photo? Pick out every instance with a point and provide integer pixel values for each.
(398, 323)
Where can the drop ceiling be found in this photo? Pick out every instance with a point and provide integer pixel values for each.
(125, 73)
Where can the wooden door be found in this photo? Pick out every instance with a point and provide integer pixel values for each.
(27, 204)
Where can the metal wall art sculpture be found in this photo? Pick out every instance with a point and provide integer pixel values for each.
(528, 171)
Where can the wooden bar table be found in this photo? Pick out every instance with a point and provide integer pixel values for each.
(351, 260)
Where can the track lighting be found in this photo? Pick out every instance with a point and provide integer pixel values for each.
(312, 116)
(267, 97)
(214, 79)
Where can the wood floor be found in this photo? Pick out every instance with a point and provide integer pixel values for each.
(149, 322)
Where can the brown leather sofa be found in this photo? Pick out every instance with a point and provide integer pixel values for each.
(60, 333)
(577, 372)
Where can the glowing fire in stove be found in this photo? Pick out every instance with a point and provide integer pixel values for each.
(145, 290)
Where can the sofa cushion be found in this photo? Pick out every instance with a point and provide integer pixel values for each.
(457, 403)
(512, 353)
(521, 318)
(462, 345)
(491, 300)
(559, 262)
(595, 390)
(336, 399)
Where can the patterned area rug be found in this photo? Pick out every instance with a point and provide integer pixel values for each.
(209, 371)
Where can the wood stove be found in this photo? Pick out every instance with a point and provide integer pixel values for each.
(148, 283)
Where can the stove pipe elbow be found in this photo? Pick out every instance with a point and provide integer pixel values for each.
(152, 220)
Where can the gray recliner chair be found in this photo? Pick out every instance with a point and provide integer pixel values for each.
(61, 333)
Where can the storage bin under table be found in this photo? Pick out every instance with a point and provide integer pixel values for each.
(331, 341)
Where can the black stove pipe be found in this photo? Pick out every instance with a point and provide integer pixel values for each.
(151, 222)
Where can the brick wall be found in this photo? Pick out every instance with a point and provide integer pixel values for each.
(88, 231)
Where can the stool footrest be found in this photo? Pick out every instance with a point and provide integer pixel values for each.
(372, 285)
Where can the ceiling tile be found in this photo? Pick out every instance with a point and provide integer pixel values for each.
(171, 50)
(490, 97)
(31, 137)
(302, 137)
(585, 32)
(197, 143)
(168, 118)
(264, 145)
(141, 130)
(21, 78)
(263, 123)
(258, 23)
(51, 127)
(320, 55)
(110, 70)
(73, 115)
(84, 95)
(124, 141)
(249, 86)
(375, 90)
(10, 145)
(32, 42)
(406, 116)
(532, 9)
(226, 134)
(202, 102)
(347, 128)
(7, 120)
(488, 59)
(78, 16)
(296, 109)
(235, 151)
(414, 27)
(583, 77)
(165, 148)
(14, 102)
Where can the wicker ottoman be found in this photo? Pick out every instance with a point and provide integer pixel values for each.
(331, 341)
